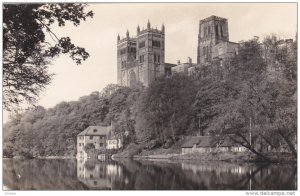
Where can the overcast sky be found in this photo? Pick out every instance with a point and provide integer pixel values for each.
(99, 37)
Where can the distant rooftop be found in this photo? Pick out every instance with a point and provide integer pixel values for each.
(209, 141)
(95, 130)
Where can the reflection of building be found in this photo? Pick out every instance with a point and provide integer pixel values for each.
(215, 167)
(204, 144)
(97, 137)
(98, 175)
(213, 40)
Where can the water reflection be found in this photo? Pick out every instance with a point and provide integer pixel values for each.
(128, 174)
(98, 175)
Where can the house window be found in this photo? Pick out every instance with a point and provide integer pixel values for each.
(79, 144)
(95, 130)
(91, 137)
(91, 176)
(101, 144)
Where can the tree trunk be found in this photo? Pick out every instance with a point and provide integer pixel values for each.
(288, 141)
(172, 126)
(249, 147)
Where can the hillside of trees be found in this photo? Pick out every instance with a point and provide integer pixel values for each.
(255, 90)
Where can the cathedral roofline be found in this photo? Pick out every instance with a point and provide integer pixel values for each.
(123, 40)
(213, 17)
(150, 31)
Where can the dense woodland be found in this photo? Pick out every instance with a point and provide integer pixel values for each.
(255, 90)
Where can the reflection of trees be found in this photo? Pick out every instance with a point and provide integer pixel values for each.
(41, 175)
(148, 175)
(283, 177)
(145, 175)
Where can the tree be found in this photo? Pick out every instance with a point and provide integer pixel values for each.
(251, 100)
(166, 106)
(26, 52)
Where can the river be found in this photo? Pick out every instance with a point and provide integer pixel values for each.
(126, 174)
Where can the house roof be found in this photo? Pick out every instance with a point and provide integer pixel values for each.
(95, 130)
(190, 141)
(208, 141)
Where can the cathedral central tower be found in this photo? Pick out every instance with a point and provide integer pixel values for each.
(212, 31)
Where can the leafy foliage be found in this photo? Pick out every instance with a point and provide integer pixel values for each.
(253, 92)
(165, 108)
(26, 52)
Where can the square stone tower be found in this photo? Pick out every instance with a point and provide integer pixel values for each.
(126, 58)
(212, 30)
(141, 59)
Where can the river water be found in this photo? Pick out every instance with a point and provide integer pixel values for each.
(128, 174)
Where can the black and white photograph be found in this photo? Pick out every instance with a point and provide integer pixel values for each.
(156, 96)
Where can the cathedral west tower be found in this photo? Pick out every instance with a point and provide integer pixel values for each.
(141, 59)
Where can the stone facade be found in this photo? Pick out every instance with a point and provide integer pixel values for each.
(141, 58)
(207, 144)
(213, 40)
(183, 67)
(100, 136)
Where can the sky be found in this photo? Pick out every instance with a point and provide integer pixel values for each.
(99, 37)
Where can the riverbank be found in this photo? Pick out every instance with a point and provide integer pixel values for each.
(42, 157)
(137, 152)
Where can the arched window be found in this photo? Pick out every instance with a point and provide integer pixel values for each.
(132, 78)
(217, 30)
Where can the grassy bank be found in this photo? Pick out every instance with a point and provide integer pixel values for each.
(139, 152)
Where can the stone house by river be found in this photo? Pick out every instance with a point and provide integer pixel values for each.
(101, 137)
(204, 144)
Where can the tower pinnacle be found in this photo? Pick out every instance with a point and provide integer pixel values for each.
(138, 29)
(148, 25)
(163, 28)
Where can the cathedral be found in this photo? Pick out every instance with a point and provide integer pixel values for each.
(213, 40)
(141, 59)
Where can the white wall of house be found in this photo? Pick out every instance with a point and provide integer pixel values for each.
(112, 144)
(212, 149)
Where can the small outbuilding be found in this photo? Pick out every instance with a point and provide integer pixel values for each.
(203, 144)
